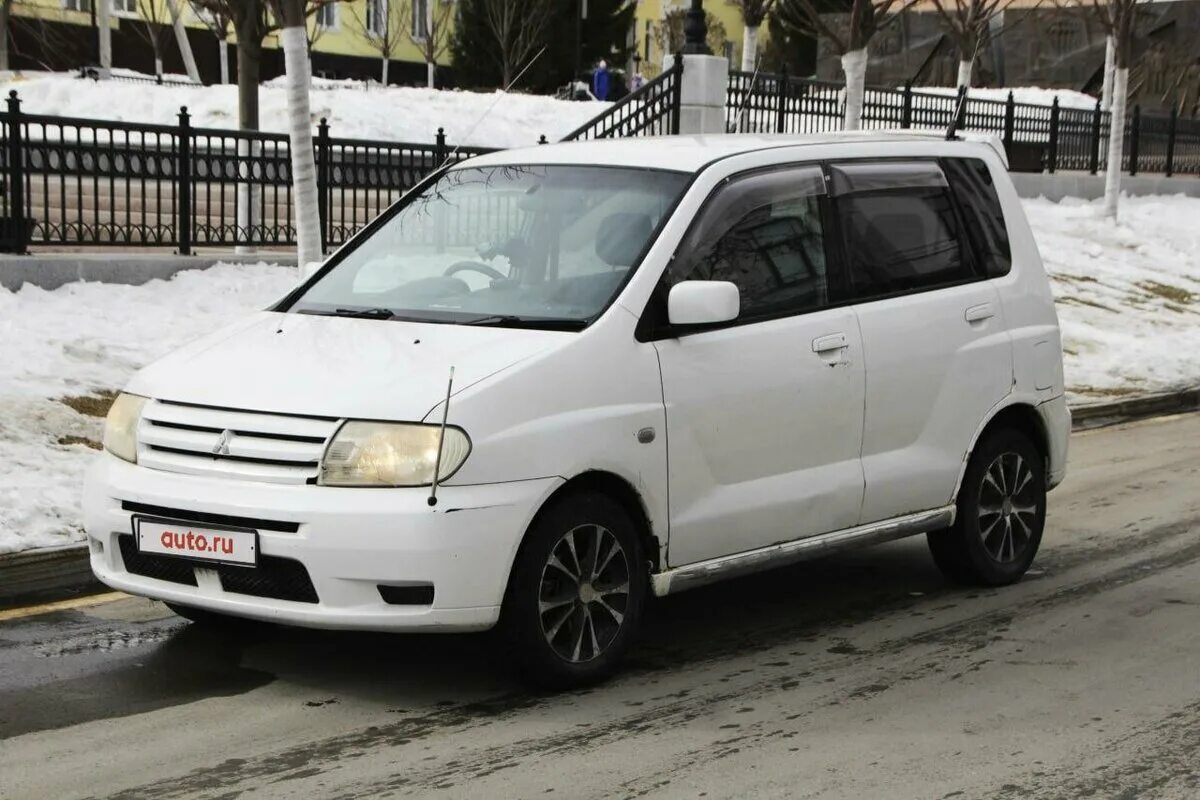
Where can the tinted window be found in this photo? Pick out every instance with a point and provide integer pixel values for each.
(763, 233)
(971, 182)
(901, 231)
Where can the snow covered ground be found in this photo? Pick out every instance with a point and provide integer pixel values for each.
(1128, 297)
(354, 109)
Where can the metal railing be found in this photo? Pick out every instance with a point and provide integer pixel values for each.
(650, 110)
(1047, 137)
(92, 182)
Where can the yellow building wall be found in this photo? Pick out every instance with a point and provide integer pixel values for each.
(652, 12)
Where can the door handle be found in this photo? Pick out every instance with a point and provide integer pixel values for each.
(824, 344)
(979, 313)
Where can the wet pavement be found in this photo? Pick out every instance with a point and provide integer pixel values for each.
(860, 675)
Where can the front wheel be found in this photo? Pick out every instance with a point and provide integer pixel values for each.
(1001, 513)
(577, 591)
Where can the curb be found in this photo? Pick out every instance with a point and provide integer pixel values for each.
(57, 573)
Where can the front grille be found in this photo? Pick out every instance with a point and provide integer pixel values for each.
(148, 565)
(222, 442)
(274, 578)
(211, 520)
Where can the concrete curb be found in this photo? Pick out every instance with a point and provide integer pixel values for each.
(52, 270)
(57, 573)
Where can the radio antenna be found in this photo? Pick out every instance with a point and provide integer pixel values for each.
(737, 125)
(437, 463)
(488, 110)
(952, 128)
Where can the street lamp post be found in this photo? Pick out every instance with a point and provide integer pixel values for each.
(695, 31)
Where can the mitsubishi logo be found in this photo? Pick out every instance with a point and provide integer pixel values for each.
(221, 448)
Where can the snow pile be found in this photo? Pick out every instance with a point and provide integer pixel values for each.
(1128, 294)
(1030, 95)
(76, 341)
(355, 110)
(1128, 298)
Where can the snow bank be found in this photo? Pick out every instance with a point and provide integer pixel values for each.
(354, 109)
(1128, 298)
(1032, 95)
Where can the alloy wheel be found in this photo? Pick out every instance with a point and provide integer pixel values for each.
(1008, 507)
(584, 593)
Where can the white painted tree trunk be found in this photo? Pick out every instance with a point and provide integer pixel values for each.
(749, 48)
(304, 165)
(158, 67)
(383, 70)
(430, 73)
(964, 74)
(248, 197)
(105, 34)
(223, 50)
(181, 40)
(854, 64)
(1116, 143)
(1106, 92)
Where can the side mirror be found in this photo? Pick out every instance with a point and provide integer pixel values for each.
(703, 302)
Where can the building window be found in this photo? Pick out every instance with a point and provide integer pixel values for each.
(420, 19)
(125, 7)
(327, 15)
(377, 17)
(77, 5)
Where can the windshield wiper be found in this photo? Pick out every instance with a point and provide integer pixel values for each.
(514, 321)
(365, 313)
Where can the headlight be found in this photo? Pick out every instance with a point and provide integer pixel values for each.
(120, 427)
(391, 454)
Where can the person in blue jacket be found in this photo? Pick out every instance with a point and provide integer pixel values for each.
(600, 81)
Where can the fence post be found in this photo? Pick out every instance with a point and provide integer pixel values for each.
(183, 183)
(1094, 155)
(323, 182)
(676, 93)
(906, 112)
(439, 149)
(1136, 123)
(16, 175)
(1171, 140)
(781, 92)
(1052, 156)
(1010, 114)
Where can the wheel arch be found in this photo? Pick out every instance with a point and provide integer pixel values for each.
(1018, 414)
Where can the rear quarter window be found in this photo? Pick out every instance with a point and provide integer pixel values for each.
(971, 182)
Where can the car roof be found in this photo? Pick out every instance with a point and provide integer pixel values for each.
(689, 153)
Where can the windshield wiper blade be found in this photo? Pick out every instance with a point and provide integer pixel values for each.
(515, 321)
(366, 313)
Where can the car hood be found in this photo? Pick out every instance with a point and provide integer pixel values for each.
(337, 366)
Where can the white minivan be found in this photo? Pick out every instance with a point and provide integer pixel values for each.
(550, 382)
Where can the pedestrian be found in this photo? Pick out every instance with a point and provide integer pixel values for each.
(600, 81)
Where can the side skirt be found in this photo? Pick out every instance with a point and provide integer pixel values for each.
(777, 555)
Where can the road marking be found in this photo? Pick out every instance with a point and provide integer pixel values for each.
(61, 605)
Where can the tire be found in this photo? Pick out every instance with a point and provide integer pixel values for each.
(1001, 513)
(214, 620)
(569, 620)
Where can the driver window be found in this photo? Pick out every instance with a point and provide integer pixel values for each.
(762, 232)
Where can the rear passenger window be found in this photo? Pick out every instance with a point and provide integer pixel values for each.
(763, 233)
(971, 182)
(900, 228)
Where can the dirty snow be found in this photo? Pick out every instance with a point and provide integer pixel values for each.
(1128, 297)
(355, 110)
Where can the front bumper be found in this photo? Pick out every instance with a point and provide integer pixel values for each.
(349, 540)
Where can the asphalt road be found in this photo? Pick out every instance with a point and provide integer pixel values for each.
(861, 675)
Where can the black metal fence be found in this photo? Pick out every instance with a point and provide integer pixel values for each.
(650, 110)
(87, 182)
(1041, 137)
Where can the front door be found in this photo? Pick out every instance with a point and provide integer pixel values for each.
(765, 413)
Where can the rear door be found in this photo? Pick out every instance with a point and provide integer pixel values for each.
(764, 413)
(938, 355)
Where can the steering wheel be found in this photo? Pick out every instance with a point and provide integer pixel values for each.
(475, 266)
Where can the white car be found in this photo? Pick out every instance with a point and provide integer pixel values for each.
(550, 382)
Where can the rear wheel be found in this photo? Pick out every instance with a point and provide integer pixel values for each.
(1001, 513)
(576, 594)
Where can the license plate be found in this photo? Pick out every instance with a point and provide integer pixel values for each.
(196, 543)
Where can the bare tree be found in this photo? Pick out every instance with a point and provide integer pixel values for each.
(754, 13)
(428, 27)
(967, 23)
(6, 7)
(1119, 18)
(218, 23)
(865, 19)
(382, 26)
(153, 29)
(669, 35)
(518, 28)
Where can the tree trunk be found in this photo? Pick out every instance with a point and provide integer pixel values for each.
(1106, 93)
(1116, 142)
(223, 51)
(749, 48)
(181, 40)
(294, 39)
(430, 74)
(854, 63)
(158, 66)
(105, 33)
(5, 21)
(383, 70)
(249, 59)
(964, 73)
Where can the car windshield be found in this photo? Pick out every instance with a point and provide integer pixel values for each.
(523, 246)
